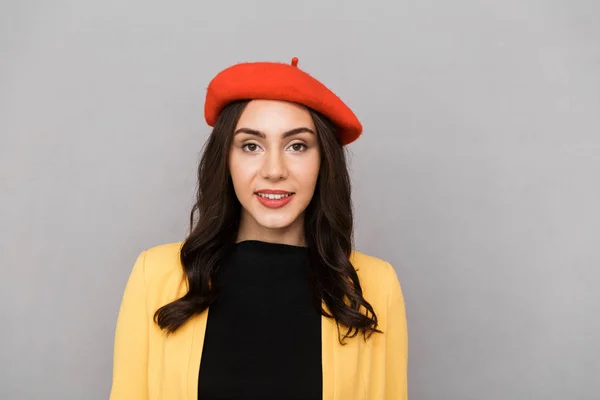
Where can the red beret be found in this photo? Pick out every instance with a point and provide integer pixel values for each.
(279, 81)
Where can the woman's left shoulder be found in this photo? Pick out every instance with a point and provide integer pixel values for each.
(374, 273)
(370, 266)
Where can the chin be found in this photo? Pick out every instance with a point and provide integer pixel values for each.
(275, 220)
(275, 223)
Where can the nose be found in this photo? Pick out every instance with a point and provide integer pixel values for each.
(274, 167)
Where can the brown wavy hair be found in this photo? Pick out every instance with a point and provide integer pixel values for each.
(328, 232)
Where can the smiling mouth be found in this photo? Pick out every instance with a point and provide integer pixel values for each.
(272, 196)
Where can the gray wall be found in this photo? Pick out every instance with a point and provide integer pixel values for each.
(477, 175)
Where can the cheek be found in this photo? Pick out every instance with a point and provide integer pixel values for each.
(239, 174)
(309, 172)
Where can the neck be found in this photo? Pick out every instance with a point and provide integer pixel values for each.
(292, 234)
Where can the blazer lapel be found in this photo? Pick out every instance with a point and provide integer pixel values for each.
(195, 354)
(329, 350)
(342, 375)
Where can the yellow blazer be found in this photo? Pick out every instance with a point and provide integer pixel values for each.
(149, 365)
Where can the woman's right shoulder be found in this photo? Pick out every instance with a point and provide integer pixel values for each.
(162, 265)
(163, 256)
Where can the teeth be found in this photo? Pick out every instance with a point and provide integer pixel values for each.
(273, 196)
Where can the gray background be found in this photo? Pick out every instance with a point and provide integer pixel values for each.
(477, 175)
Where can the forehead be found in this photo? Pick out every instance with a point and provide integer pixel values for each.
(274, 116)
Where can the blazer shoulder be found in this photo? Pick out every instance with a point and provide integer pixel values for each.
(162, 260)
(370, 266)
(374, 274)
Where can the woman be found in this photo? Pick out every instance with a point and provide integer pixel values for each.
(265, 299)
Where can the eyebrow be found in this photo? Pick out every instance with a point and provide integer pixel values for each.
(286, 134)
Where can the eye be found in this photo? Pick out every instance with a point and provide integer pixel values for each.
(298, 147)
(250, 147)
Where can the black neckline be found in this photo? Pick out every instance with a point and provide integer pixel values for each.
(260, 245)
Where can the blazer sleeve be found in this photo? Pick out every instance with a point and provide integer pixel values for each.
(396, 380)
(130, 362)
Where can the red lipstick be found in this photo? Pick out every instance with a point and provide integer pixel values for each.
(283, 197)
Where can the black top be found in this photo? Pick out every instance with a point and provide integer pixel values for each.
(263, 335)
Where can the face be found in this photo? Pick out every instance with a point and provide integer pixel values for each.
(274, 163)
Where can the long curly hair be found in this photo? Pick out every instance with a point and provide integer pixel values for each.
(328, 232)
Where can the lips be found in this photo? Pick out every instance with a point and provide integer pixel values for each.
(274, 198)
